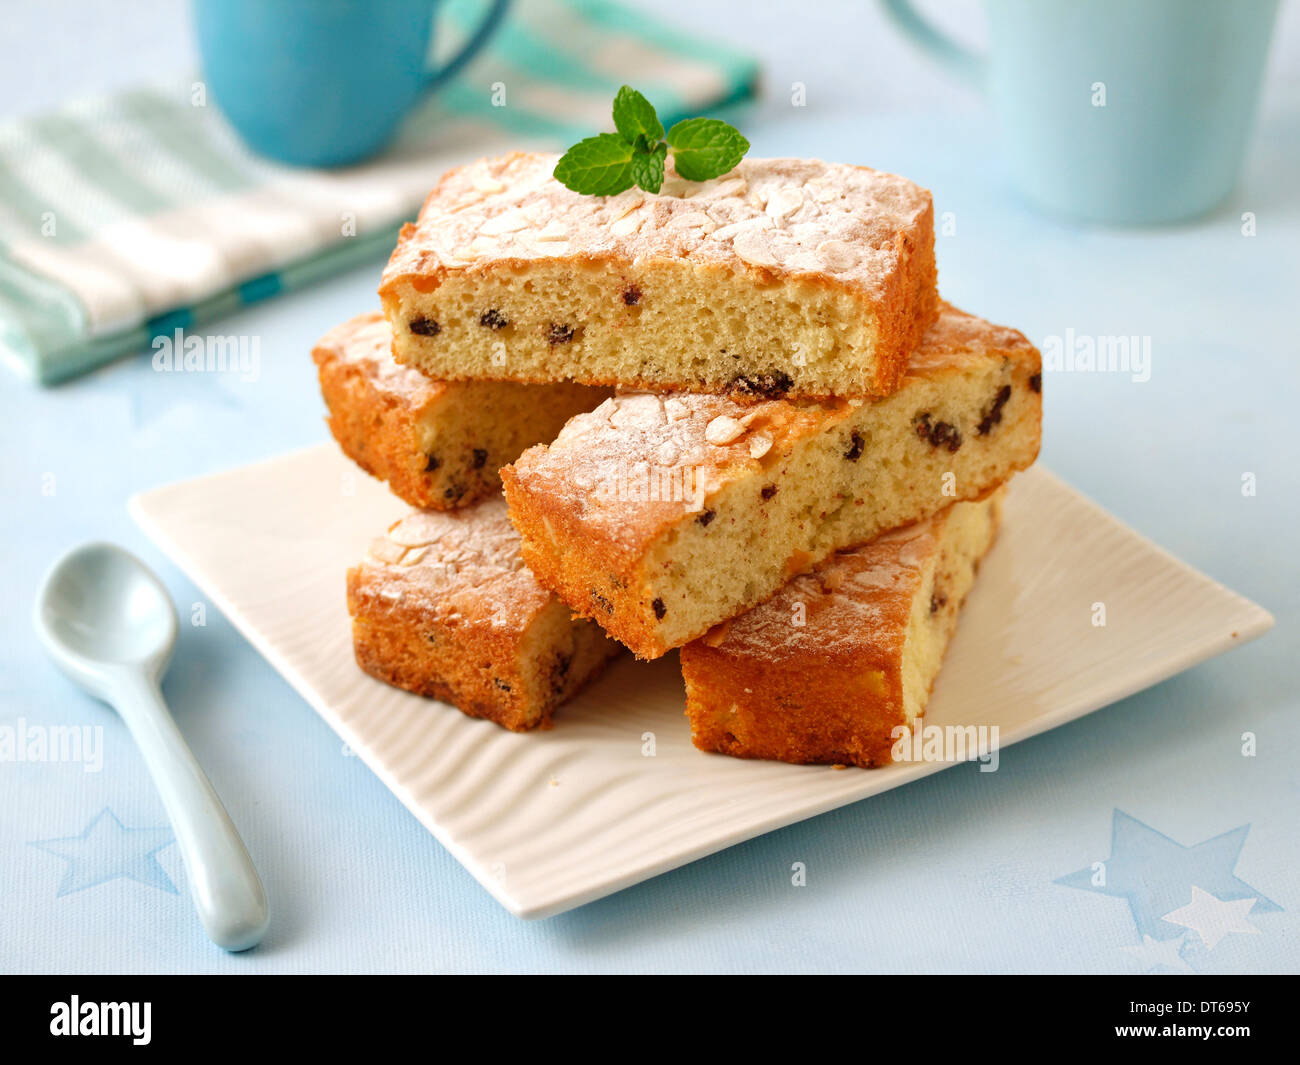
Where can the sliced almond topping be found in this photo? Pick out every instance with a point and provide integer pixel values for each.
(676, 409)
(384, 550)
(413, 555)
(734, 229)
(785, 201)
(837, 255)
(723, 430)
(627, 225)
(752, 247)
(488, 185)
(511, 221)
(732, 186)
(555, 230)
(759, 445)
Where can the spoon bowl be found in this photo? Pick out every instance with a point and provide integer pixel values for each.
(102, 610)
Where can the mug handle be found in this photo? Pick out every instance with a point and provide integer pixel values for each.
(967, 65)
(471, 47)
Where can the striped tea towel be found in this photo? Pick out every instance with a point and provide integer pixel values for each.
(127, 217)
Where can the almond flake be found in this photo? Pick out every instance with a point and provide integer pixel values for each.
(785, 201)
(507, 222)
(837, 255)
(384, 550)
(728, 232)
(759, 445)
(627, 225)
(723, 430)
(752, 247)
(676, 409)
(555, 230)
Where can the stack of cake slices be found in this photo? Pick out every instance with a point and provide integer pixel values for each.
(732, 418)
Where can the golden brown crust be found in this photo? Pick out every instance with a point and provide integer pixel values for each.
(824, 230)
(590, 529)
(442, 607)
(438, 444)
(815, 675)
(375, 425)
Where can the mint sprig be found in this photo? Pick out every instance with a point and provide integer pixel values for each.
(610, 163)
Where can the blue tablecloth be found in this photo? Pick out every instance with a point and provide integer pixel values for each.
(960, 872)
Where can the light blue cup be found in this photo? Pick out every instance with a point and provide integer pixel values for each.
(323, 82)
(1128, 111)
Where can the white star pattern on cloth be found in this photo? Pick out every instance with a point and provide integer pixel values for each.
(1212, 919)
(1154, 953)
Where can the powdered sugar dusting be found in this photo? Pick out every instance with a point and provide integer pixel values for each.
(791, 216)
(461, 564)
(367, 342)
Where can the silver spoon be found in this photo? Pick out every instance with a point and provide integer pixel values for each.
(109, 624)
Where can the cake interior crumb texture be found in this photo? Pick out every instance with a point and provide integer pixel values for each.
(437, 443)
(785, 277)
(661, 516)
(443, 607)
(839, 658)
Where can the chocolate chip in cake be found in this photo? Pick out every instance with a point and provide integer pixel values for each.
(433, 463)
(480, 458)
(856, 444)
(559, 334)
(771, 385)
(659, 609)
(946, 435)
(454, 492)
(937, 602)
(602, 602)
(425, 327)
(493, 319)
(769, 490)
(1036, 383)
(501, 684)
(631, 295)
(993, 414)
(559, 671)
(937, 434)
(707, 517)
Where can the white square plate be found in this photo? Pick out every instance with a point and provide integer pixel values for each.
(551, 820)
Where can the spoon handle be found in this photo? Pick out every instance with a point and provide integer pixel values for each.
(226, 889)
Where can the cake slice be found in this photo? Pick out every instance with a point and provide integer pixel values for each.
(784, 277)
(839, 658)
(443, 607)
(660, 516)
(436, 443)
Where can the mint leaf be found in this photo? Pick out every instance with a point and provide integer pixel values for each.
(610, 163)
(598, 166)
(634, 116)
(705, 148)
(648, 168)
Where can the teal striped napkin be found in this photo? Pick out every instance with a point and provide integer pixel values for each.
(127, 217)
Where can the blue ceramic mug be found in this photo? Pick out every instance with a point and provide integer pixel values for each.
(323, 82)
(1129, 111)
